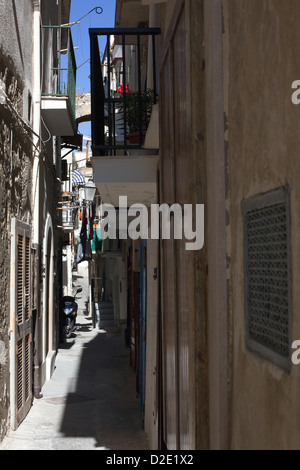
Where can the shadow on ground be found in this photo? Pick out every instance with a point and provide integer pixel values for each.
(104, 404)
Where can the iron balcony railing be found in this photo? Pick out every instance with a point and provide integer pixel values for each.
(121, 99)
(67, 217)
(59, 77)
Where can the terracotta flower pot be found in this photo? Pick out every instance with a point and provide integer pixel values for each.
(134, 137)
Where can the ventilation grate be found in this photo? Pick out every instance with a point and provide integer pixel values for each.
(267, 275)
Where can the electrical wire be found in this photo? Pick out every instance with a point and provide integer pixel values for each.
(28, 130)
(19, 118)
(99, 11)
(49, 133)
(88, 60)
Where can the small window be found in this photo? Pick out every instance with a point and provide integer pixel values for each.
(29, 107)
(267, 258)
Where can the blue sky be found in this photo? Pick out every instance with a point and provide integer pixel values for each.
(80, 35)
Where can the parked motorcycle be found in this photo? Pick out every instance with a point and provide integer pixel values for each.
(70, 308)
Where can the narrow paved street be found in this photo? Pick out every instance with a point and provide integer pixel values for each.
(90, 403)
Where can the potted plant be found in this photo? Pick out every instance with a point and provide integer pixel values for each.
(138, 113)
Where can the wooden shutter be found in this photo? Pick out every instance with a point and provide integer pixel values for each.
(168, 268)
(178, 388)
(21, 322)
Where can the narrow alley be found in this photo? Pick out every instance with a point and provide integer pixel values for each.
(90, 402)
(149, 156)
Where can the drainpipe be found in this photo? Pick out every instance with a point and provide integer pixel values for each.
(35, 192)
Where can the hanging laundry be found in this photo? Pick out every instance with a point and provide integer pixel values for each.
(84, 250)
(97, 241)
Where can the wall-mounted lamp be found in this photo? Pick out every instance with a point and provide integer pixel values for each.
(89, 192)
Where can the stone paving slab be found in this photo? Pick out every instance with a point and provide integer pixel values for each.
(90, 403)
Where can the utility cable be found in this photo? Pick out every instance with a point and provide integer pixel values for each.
(24, 126)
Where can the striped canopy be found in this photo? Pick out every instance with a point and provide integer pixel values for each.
(77, 178)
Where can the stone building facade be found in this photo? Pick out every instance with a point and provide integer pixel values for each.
(30, 244)
(15, 160)
(225, 318)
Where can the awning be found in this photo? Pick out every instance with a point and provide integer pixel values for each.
(77, 178)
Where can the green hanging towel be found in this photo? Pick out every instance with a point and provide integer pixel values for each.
(96, 242)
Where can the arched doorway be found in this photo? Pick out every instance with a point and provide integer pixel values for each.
(49, 350)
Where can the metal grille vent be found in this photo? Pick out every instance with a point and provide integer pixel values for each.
(267, 276)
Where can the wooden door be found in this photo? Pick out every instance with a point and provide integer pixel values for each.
(21, 323)
(177, 309)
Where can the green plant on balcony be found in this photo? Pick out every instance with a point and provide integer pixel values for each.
(138, 113)
(137, 103)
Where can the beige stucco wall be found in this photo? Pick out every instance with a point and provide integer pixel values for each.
(263, 154)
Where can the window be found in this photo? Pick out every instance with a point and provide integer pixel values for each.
(29, 107)
(267, 258)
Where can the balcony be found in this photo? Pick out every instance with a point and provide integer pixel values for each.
(67, 219)
(124, 105)
(68, 209)
(59, 81)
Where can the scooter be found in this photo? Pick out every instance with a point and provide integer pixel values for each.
(70, 308)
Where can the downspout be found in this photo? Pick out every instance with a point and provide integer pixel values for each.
(35, 193)
(216, 226)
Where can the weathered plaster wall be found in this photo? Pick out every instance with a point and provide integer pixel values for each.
(16, 44)
(83, 107)
(15, 157)
(263, 154)
(15, 195)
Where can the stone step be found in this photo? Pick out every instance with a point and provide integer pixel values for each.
(104, 314)
(104, 324)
